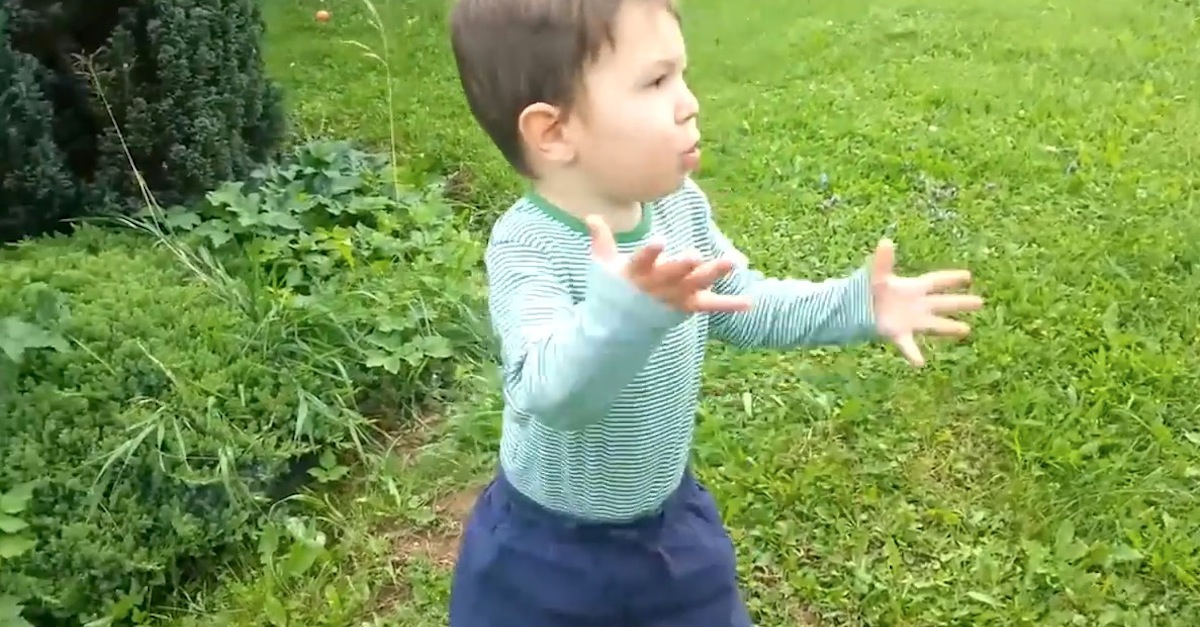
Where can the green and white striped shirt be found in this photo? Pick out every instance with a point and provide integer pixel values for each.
(601, 382)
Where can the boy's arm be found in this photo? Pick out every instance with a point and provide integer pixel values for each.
(564, 363)
(788, 313)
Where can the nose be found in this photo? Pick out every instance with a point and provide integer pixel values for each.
(688, 107)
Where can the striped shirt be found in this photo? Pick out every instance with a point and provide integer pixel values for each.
(601, 382)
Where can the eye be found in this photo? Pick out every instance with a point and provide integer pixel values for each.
(659, 81)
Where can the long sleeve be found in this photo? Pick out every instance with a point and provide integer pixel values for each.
(564, 363)
(788, 313)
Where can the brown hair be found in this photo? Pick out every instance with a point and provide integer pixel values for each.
(514, 53)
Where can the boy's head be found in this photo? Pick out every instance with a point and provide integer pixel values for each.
(588, 93)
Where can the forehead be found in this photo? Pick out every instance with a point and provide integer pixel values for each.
(645, 32)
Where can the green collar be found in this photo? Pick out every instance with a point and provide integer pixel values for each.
(636, 234)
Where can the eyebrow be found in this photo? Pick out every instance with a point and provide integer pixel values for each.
(669, 63)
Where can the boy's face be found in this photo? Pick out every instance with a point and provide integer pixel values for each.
(636, 138)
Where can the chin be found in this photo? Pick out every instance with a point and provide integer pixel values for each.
(665, 189)
(658, 185)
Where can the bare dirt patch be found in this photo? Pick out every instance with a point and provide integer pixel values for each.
(438, 543)
(806, 618)
(407, 441)
(435, 543)
(390, 595)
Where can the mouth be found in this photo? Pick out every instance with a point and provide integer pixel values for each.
(691, 158)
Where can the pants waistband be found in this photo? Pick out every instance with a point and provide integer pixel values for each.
(524, 507)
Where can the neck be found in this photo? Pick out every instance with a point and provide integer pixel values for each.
(580, 202)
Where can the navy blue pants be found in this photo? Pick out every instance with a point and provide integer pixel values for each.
(521, 565)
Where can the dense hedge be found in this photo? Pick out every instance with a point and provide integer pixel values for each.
(182, 82)
(140, 436)
(155, 389)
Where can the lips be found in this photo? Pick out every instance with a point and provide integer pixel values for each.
(691, 158)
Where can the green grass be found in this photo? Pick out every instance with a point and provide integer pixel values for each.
(1045, 472)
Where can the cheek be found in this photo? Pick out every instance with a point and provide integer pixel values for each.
(645, 112)
(650, 125)
(626, 131)
(632, 136)
(632, 121)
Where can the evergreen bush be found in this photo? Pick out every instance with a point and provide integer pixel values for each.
(181, 82)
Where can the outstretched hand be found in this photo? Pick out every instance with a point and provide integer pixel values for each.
(681, 282)
(908, 305)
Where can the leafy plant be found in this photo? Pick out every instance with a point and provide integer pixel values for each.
(10, 613)
(15, 538)
(287, 550)
(15, 541)
(388, 273)
(324, 210)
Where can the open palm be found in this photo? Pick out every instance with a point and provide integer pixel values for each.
(905, 306)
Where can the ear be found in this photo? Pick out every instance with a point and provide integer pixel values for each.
(543, 129)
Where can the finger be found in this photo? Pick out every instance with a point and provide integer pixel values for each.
(884, 261)
(908, 347)
(708, 302)
(687, 259)
(604, 247)
(707, 273)
(644, 260)
(942, 280)
(945, 326)
(670, 273)
(952, 303)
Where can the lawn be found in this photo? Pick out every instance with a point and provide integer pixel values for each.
(1045, 472)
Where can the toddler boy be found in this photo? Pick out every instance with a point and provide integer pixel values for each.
(607, 279)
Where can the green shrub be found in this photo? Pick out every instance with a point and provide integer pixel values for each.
(146, 433)
(181, 82)
(156, 390)
(387, 274)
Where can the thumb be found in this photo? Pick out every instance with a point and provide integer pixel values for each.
(604, 247)
(884, 261)
(908, 347)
